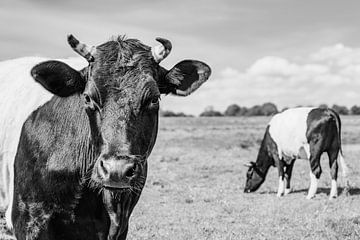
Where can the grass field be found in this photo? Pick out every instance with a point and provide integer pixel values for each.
(196, 178)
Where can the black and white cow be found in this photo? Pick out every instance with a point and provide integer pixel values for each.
(81, 161)
(312, 130)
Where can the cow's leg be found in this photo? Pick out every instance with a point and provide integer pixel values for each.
(3, 189)
(7, 172)
(288, 172)
(333, 154)
(9, 209)
(345, 171)
(315, 172)
(281, 188)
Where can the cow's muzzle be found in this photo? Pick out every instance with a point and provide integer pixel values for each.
(118, 172)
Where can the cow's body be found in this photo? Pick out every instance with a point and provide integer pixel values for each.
(310, 131)
(19, 98)
(81, 155)
(288, 130)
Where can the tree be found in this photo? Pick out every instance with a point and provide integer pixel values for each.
(340, 109)
(355, 110)
(232, 110)
(243, 111)
(269, 109)
(323, 106)
(167, 113)
(210, 112)
(254, 111)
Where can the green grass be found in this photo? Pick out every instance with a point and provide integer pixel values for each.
(195, 186)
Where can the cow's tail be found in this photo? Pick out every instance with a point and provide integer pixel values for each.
(340, 158)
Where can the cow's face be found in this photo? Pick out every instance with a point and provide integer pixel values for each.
(254, 179)
(125, 76)
(121, 90)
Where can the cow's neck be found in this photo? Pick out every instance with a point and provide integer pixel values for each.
(264, 159)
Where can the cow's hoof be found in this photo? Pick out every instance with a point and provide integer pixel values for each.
(308, 197)
(9, 224)
(279, 195)
(332, 197)
(346, 191)
(287, 191)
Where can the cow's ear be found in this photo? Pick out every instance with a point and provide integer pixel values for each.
(184, 78)
(58, 78)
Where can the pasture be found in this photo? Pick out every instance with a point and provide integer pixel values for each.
(194, 188)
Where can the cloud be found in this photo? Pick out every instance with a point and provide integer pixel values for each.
(330, 75)
(211, 31)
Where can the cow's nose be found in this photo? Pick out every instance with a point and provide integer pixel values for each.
(104, 169)
(130, 170)
(116, 173)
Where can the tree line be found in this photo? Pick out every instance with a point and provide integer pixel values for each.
(269, 109)
(266, 109)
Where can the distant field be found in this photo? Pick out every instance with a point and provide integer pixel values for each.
(195, 186)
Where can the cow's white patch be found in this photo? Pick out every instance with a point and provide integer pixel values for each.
(288, 130)
(20, 95)
(333, 191)
(313, 186)
(281, 188)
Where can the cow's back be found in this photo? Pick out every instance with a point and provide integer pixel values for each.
(288, 130)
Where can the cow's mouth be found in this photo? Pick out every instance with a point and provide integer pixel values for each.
(114, 187)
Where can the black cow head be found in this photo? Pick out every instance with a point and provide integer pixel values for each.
(254, 178)
(121, 91)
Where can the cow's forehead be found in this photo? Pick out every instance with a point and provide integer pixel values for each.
(126, 65)
(121, 51)
(122, 56)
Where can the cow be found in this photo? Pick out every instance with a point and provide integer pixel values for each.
(289, 135)
(81, 160)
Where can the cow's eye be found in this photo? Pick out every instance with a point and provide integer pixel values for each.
(249, 173)
(154, 102)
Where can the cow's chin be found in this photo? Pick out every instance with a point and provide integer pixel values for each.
(116, 187)
(98, 183)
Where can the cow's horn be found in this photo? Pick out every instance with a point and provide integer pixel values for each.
(249, 164)
(162, 50)
(81, 48)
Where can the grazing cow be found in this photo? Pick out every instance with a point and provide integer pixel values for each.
(311, 130)
(81, 162)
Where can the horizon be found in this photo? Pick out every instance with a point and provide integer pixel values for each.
(279, 109)
(282, 51)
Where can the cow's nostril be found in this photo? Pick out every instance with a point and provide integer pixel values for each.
(130, 172)
(103, 168)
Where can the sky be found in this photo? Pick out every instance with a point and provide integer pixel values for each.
(288, 52)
